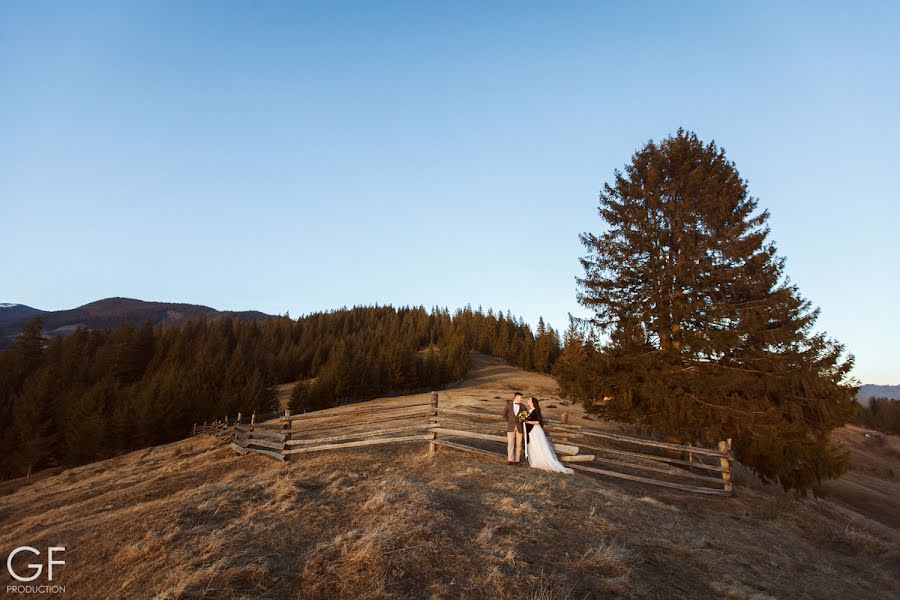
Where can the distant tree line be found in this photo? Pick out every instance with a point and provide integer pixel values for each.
(881, 414)
(97, 393)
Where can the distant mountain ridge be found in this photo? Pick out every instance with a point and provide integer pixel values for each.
(107, 313)
(11, 312)
(881, 391)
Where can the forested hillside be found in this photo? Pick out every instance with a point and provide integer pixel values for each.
(882, 414)
(97, 393)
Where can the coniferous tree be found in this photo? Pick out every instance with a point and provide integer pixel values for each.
(459, 357)
(85, 426)
(29, 438)
(24, 358)
(573, 368)
(299, 399)
(24, 410)
(541, 347)
(709, 340)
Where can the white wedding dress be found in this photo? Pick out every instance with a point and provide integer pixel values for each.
(541, 454)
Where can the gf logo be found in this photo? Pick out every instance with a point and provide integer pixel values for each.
(38, 568)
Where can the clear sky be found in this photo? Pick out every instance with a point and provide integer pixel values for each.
(285, 156)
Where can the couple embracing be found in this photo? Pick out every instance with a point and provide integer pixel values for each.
(525, 423)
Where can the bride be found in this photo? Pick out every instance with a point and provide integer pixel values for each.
(540, 453)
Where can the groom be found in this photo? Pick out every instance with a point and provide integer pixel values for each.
(513, 429)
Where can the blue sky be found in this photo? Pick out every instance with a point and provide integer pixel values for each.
(285, 156)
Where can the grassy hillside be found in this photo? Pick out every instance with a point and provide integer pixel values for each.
(193, 520)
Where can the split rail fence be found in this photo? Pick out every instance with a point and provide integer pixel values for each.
(217, 428)
(683, 467)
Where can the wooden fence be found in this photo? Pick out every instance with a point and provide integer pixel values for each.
(220, 429)
(682, 467)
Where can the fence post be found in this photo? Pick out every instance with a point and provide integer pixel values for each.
(252, 420)
(434, 408)
(238, 420)
(564, 419)
(195, 429)
(725, 463)
(288, 426)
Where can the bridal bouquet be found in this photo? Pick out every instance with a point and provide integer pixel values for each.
(522, 417)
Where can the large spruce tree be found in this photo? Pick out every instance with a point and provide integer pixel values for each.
(707, 337)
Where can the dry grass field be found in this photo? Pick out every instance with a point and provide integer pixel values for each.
(872, 486)
(194, 520)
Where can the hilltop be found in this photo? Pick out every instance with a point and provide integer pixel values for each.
(12, 312)
(192, 519)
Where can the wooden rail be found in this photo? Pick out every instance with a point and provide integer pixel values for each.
(218, 429)
(631, 458)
